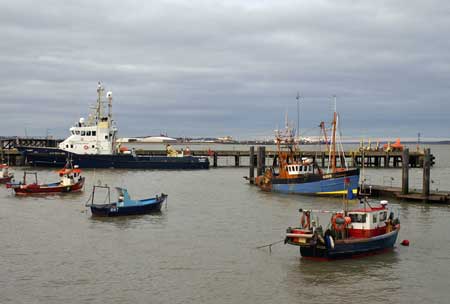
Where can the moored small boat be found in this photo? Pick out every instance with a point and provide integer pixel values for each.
(361, 231)
(124, 204)
(70, 181)
(5, 175)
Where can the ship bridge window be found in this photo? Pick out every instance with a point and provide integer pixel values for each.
(383, 216)
(71, 146)
(358, 218)
(374, 218)
(106, 136)
(77, 132)
(94, 133)
(88, 133)
(83, 133)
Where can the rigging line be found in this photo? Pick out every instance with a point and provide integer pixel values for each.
(341, 146)
(270, 245)
(329, 150)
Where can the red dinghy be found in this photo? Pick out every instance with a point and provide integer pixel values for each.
(71, 181)
(5, 175)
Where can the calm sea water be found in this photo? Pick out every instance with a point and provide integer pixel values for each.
(202, 248)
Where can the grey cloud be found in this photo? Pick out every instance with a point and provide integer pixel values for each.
(211, 68)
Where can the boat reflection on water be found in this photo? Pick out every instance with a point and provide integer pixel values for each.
(308, 279)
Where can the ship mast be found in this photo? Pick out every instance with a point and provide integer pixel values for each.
(333, 143)
(99, 101)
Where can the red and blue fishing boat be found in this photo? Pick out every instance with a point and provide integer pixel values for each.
(361, 231)
(70, 181)
(5, 175)
(124, 204)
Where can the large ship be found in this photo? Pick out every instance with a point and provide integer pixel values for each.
(93, 144)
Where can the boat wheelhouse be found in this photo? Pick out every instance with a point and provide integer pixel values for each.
(5, 175)
(98, 134)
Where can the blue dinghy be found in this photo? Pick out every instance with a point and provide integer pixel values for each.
(125, 205)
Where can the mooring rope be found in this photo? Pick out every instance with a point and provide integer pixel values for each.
(270, 245)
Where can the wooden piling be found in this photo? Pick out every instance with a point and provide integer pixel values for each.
(215, 160)
(261, 160)
(426, 173)
(236, 160)
(252, 165)
(405, 171)
(258, 161)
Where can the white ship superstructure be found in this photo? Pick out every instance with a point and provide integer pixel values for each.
(97, 135)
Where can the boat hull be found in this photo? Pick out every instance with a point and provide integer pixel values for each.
(114, 210)
(47, 189)
(328, 184)
(44, 157)
(350, 247)
(4, 180)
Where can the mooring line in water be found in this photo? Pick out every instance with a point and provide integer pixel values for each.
(270, 245)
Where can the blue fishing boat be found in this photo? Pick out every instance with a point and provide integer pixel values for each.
(300, 175)
(359, 232)
(124, 204)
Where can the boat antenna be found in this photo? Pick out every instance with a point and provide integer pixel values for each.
(109, 96)
(99, 100)
(298, 115)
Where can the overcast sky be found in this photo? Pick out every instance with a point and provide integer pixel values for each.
(215, 68)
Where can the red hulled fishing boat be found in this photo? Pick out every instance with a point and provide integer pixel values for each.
(70, 181)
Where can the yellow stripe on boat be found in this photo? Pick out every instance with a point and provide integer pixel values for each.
(355, 191)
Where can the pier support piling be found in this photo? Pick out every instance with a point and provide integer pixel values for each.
(405, 171)
(251, 174)
(215, 160)
(261, 154)
(426, 173)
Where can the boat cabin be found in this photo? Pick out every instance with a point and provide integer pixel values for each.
(307, 166)
(69, 176)
(4, 171)
(369, 221)
(97, 135)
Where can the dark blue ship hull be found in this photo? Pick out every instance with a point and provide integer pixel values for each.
(45, 157)
(351, 248)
